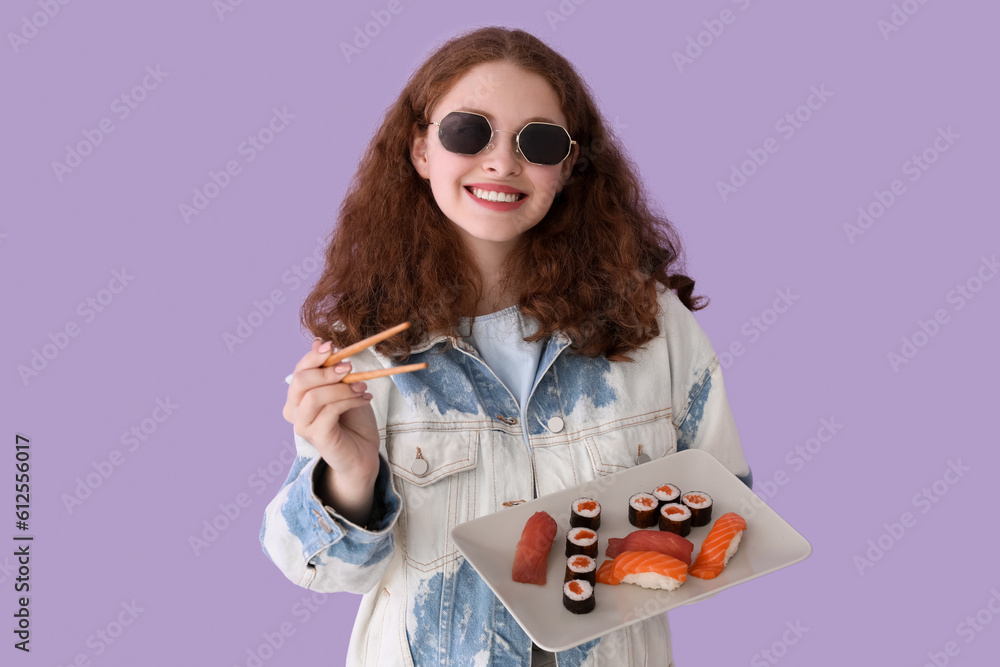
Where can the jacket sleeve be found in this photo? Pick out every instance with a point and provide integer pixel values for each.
(702, 416)
(317, 548)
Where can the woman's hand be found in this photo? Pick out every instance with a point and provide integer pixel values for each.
(339, 421)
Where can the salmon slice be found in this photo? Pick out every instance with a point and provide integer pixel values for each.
(604, 573)
(639, 562)
(652, 540)
(531, 556)
(712, 557)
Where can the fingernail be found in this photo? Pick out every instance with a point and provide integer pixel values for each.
(367, 396)
(325, 347)
(358, 387)
(342, 368)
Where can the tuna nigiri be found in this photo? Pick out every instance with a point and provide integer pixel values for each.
(649, 569)
(531, 557)
(652, 540)
(719, 546)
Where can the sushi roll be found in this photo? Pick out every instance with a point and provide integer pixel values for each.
(642, 510)
(649, 569)
(676, 518)
(578, 596)
(667, 493)
(719, 546)
(700, 504)
(581, 567)
(585, 513)
(581, 541)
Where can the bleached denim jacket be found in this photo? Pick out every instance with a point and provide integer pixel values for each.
(423, 603)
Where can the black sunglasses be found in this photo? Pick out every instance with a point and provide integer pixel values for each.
(468, 133)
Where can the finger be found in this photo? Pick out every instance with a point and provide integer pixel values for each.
(316, 399)
(329, 418)
(316, 356)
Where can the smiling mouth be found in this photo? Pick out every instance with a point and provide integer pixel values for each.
(491, 195)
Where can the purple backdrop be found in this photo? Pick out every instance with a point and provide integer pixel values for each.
(170, 171)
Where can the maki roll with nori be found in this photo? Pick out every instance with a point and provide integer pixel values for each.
(581, 567)
(675, 518)
(581, 541)
(667, 493)
(642, 510)
(585, 513)
(700, 504)
(578, 596)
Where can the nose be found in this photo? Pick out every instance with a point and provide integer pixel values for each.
(501, 156)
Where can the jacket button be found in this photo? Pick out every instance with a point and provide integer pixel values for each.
(325, 526)
(556, 424)
(419, 467)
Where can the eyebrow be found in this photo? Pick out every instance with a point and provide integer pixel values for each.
(533, 119)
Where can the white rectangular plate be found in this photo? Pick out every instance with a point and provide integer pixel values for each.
(488, 542)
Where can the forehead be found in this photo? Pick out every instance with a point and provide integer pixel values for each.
(503, 93)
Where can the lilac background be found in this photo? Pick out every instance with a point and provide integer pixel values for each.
(162, 337)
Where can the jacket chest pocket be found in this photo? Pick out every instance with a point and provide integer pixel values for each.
(618, 449)
(437, 481)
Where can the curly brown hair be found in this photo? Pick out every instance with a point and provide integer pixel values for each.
(589, 268)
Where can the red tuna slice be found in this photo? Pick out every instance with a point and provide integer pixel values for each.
(652, 540)
(531, 557)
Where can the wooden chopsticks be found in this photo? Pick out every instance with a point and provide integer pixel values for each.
(366, 343)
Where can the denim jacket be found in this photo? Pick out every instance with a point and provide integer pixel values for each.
(423, 603)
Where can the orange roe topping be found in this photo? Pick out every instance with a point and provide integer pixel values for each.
(695, 498)
(575, 587)
(674, 510)
(645, 502)
(588, 506)
(666, 488)
(580, 561)
(584, 535)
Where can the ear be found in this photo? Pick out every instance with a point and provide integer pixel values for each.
(566, 168)
(418, 156)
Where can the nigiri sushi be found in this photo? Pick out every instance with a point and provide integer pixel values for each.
(719, 546)
(652, 540)
(605, 572)
(649, 569)
(531, 557)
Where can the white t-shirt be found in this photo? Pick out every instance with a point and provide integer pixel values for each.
(499, 339)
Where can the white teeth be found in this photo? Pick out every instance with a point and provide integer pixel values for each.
(490, 195)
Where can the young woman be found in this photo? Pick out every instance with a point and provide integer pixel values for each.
(494, 212)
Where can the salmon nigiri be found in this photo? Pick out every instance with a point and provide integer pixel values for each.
(719, 546)
(604, 573)
(531, 557)
(649, 569)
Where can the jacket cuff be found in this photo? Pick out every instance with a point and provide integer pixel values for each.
(385, 508)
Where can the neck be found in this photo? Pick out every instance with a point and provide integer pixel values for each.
(489, 257)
